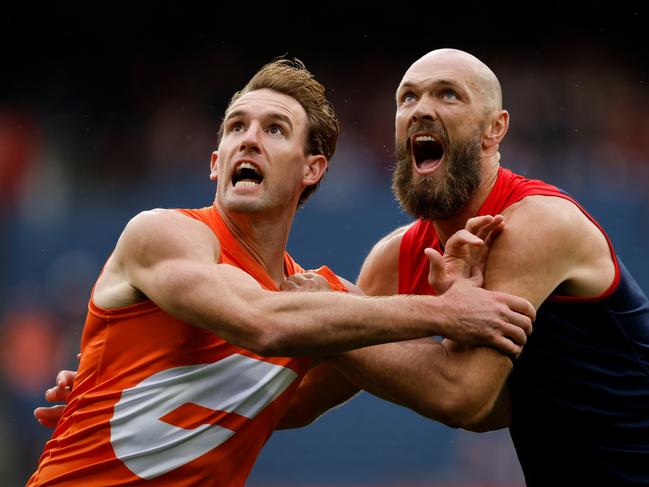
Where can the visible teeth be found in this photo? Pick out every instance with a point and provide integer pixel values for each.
(246, 165)
(424, 138)
(245, 184)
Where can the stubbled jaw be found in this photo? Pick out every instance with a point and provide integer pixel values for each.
(427, 152)
(246, 175)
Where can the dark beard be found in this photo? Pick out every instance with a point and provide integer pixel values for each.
(430, 200)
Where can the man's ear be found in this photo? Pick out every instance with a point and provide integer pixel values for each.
(496, 130)
(314, 169)
(214, 166)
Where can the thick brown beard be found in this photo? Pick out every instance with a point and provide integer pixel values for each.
(438, 200)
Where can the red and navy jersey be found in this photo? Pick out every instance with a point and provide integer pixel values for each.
(580, 389)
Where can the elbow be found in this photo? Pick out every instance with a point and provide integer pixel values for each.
(456, 409)
(267, 339)
(474, 419)
(258, 340)
(275, 343)
(268, 344)
(250, 330)
(275, 335)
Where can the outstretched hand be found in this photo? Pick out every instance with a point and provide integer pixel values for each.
(49, 416)
(465, 255)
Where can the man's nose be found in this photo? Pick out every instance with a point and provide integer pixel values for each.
(250, 139)
(424, 111)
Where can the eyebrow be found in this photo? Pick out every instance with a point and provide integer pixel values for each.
(272, 116)
(436, 83)
(441, 81)
(407, 84)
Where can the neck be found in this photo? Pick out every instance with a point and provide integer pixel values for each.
(263, 236)
(446, 228)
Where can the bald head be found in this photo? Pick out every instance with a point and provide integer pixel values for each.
(462, 67)
(456, 100)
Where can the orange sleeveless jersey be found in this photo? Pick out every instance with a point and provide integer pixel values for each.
(158, 401)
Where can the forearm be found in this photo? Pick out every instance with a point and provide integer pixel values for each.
(301, 323)
(397, 372)
(322, 389)
(457, 388)
(230, 303)
(331, 323)
(177, 271)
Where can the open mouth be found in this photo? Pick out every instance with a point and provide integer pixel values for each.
(246, 175)
(427, 152)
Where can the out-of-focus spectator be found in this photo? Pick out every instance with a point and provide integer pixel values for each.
(31, 343)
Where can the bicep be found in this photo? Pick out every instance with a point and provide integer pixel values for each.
(197, 292)
(517, 264)
(540, 249)
(173, 261)
(532, 257)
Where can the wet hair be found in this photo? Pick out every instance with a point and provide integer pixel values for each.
(290, 77)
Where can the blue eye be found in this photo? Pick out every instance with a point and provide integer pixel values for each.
(450, 95)
(408, 97)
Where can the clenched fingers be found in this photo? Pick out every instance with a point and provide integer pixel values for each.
(522, 312)
(515, 334)
(505, 345)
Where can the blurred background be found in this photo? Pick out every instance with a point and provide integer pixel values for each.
(109, 110)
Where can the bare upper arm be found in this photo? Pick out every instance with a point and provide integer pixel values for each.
(173, 260)
(161, 235)
(548, 243)
(150, 238)
(379, 275)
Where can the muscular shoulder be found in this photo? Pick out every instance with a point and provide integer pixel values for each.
(380, 272)
(163, 233)
(558, 211)
(556, 244)
(550, 221)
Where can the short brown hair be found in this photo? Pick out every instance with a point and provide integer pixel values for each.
(290, 77)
